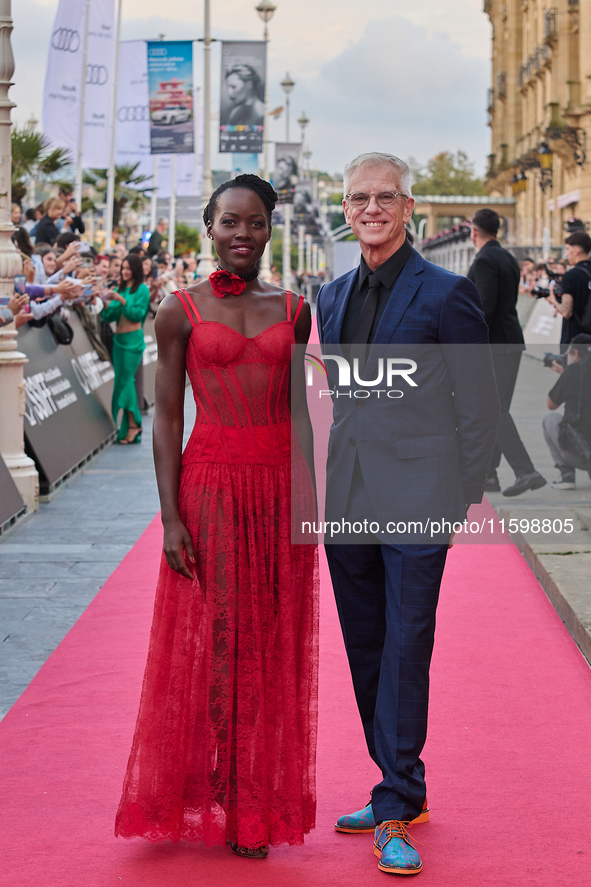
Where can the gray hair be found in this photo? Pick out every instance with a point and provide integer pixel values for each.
(378, 158)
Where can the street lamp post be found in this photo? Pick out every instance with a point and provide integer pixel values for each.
(287, 84)
(266, 10)
(206, 265)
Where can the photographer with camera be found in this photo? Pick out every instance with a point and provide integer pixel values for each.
(573, 300)
(569, 436)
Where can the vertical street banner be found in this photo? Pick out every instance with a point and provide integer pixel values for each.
(132, 120)
(242, 108)
(170, 83)
(306, 210)
(285, 177)
(62, 95)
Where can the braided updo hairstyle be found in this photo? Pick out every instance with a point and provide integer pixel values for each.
(252, 183)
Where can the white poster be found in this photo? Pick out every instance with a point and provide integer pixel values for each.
(99, 83)
(63, 77)
(132, 144)
(63, 80)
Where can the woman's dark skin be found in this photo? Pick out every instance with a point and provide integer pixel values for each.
(241, 229)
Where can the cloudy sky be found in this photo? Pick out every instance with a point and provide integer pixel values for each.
(389, 75)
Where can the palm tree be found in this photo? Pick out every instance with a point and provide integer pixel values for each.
(33, 157)
(128, 192)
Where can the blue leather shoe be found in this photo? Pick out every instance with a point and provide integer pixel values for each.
(362, 820)
(394, 850)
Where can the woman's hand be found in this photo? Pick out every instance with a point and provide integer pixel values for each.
(177, 548)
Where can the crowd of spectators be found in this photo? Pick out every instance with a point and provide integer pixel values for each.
(62, 272)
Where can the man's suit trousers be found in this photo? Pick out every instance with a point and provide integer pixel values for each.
(386, 598)
(508, 443)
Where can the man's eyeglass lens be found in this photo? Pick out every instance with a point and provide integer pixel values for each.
(385, 198)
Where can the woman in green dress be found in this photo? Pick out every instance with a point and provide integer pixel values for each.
(128, 307)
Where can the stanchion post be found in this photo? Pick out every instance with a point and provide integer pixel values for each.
(12, 385)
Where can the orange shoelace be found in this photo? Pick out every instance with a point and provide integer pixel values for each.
(394, 828)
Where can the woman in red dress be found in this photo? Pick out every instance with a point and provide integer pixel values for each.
(224, 747)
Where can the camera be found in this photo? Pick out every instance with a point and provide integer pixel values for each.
(549, 359)
(542, 292)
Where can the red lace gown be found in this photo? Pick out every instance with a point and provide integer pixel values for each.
(225, 741)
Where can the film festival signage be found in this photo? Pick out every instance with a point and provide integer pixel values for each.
(11, 502)
(63, 79)
(170, 84)
(65, 417)
(133, 128)
(285, 177)
(242, 100)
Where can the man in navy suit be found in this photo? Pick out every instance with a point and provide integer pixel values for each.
(409, 461)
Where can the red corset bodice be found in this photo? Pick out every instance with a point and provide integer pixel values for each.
(241, 388)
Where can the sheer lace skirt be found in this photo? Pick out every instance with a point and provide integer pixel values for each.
(225, 741)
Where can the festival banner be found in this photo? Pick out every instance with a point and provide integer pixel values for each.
(132, 143)
(63, 80)
(306, 210)
(285, 177)
(242, 108)
(170, 83)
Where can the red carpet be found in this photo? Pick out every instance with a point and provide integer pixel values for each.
(508, 756)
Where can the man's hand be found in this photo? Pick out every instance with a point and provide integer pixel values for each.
(557, 367)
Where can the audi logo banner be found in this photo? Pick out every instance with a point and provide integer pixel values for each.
(133, 113)
(64, 79)
(65, 40)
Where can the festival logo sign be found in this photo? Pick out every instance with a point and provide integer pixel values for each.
(170, 83)
(242, 110)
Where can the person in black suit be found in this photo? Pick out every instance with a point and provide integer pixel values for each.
(496, 274)
(393, 466)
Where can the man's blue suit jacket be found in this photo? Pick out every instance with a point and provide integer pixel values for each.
(427, 454)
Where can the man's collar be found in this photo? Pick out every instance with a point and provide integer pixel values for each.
(389, 270)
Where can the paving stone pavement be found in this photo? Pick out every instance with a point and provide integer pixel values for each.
(560, 561)
(53, 564)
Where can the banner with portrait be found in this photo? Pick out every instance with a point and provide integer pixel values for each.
(170, 84)
(306, 210)
(285, 177)
(242, 99)
(63, 80)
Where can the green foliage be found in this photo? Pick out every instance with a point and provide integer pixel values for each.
(446, 173)
(33, 156)
(186, 239)
(127, 189)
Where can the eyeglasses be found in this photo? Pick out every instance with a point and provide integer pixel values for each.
(359, 199)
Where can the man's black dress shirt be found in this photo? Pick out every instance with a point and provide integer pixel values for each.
(387, 274)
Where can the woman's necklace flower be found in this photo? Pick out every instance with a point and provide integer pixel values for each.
(224, 283)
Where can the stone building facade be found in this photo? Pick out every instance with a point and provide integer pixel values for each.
(540, 115)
